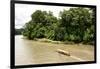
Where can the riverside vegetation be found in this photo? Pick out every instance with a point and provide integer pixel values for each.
(74, 25)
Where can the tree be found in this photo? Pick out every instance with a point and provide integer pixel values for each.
(75, 24)
(39, 25)
(43, 17)
(76, 21)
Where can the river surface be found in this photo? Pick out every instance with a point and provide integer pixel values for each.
(36, 52)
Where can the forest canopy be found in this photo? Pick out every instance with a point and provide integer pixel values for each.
(76, 25)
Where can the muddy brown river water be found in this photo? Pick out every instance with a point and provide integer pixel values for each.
(36, 52)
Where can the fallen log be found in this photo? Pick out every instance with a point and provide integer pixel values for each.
(63, 52)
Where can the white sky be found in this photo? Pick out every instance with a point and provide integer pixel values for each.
(23, 12)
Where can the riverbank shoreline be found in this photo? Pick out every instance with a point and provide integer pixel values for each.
(57, 42)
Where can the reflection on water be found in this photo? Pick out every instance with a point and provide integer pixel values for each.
(35, 52)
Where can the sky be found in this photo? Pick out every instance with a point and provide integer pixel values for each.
(23, 12)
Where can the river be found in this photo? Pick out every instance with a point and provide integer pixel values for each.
(35, 52)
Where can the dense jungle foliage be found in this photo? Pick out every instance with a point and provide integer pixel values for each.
(76, 25)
